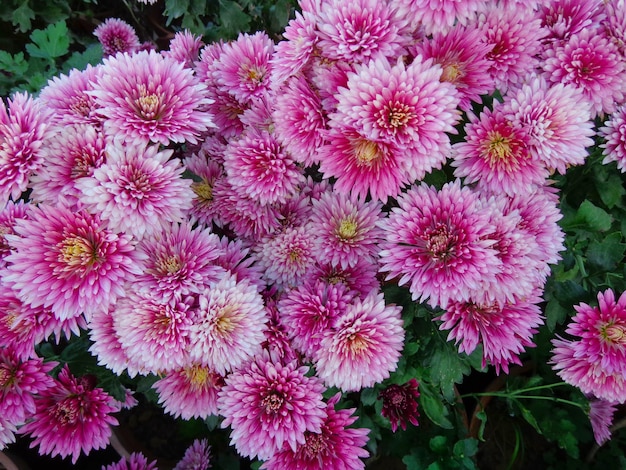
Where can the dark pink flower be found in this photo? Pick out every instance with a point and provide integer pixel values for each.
(400, 404)
(197, 456)
(601, 417)
(135, 461)
(116, 35)
(614, 133)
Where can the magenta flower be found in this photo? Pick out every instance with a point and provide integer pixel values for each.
(146, 97)
(68, 261)
(614, 133)
(11, 212)
(294, 54)
(197, 456)
(185, 48)
(562, 18)
(190, 392)
(72, 418)
(135, 461)
(441, 16)
(270, 407)
(363, 345)
(400, 404)
(116, 35)
(361, 279)
(139, 190)
(336, 445)
(601, 417)
(438, 243)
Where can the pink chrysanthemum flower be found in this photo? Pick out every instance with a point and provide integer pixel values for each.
(504, 330)
(116, 35)
(72, 418)
(363, 345)
(438, 242)
(555, 119)
(310, 310)
(147, 97)
(68, 261)
(562, 18)
(327, 78)
(615, 22)
(614, 133)
(362, 166)
(197, 456)
(441, 16)
(361, 279)
(228, 325)
(400, 404)
(68, 98)
(139, 190)
(336, 446)
(71, 153)
(299, 120)
(206, 171)
(516, 41)
(23, 131)
(277, 341)
(601, 417)
(135, 461)
(257, 165)
(270, 406)
(403, 105)
(345, 228)
(287, 257)
(293, 55)
(11, 212)
(463, 57)
(154, 331)
(190, 392)
(7, 433)
(359, 31)
(178, 261)
(234, 257)
(496, 156)
(20, 382)
(591, 62)
(185, 48)
(244, 66)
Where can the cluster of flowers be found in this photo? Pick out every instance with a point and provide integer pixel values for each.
(223, 215)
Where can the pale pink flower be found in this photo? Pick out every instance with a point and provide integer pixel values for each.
(336, 446)
(147, 97)
(363, 345)
(234, 257)
(136, 460)
(205, 171)
(361, 278)
(562, 18)
(270, 406)
(185, 48)
(116, 35)
(11, 212)
(139, 190)
(197, 456)
(615, 22)
(601, 414)
(72, 418)
(614, 133)
(68, 261)
(438, 243)
(190, 392)
(441, 16)
(292, 55)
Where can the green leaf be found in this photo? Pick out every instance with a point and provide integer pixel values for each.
(49, 43)
(79, 60)
(528, 416)
(606, 253)
(14, 64)
(465, 448)
(482, 417)
(438, 444)
(232, 18)
(279, 15)
(589, 217)
(556, 314)
(175, 9)
(447, 366)
(369, 396)
(22, 17)
(611, 190)
(433, 406)
(212, 422)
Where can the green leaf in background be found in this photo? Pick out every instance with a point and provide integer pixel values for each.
(607, 252)
(14, 64)
(49, 43)
(175, 9)
(588, 217)
(79, 60)
(369, 396)
(611, 190)
(555, 314)
(232, 18)
(22, 17)
(447, 366)
(433, 406)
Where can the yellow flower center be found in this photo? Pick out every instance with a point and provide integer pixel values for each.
(67, 411)
(366, 152)
(451, 72)
(77, 251)
(203, 190)
(614, 333)
(272, 402)
(197, 375)
(169, 264)
(6, 377)
(347, 228)
(224, 321)
(148, 104)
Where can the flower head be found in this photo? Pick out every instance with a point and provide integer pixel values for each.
(400, 404)
(185, 48)
(135, 461)
(441, 16)
(197, 456)
(601, 417)
(614, 133)
(116, 35)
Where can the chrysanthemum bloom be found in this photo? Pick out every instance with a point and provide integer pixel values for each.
(23, 131)
(8, 215)
(591, 62)
(228, 324)
(361, 279)
(328, 77)
(336, 446)
(516, 41)
(440, 17)
(556, 120)
(363, 346)
(153, 330)
(116, 35)
(139, 190)
(496, 156)
(234, 258)
(7, 433)
(206, 171)
(72, 418)
(309, 310)
(359, 31)
(562, 18)
(244, 66)
(362, 166)
(135, 461)
(400, 404)
(299, 120)
(147, 97)
(463, 57)
(601, 417)
(185, 48)
(68, 98)
(68, 261)
(615, 22)
(293, 55)
(277, 337)
(178, 261)
(287, 257)
(73, 152)
(614, 133)
(270, 406)
(504, 330)
(257, 165)
(403, 105)
(190, 392)
(197, 456)
(345, 228)
(438, 242)
(20, 382)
